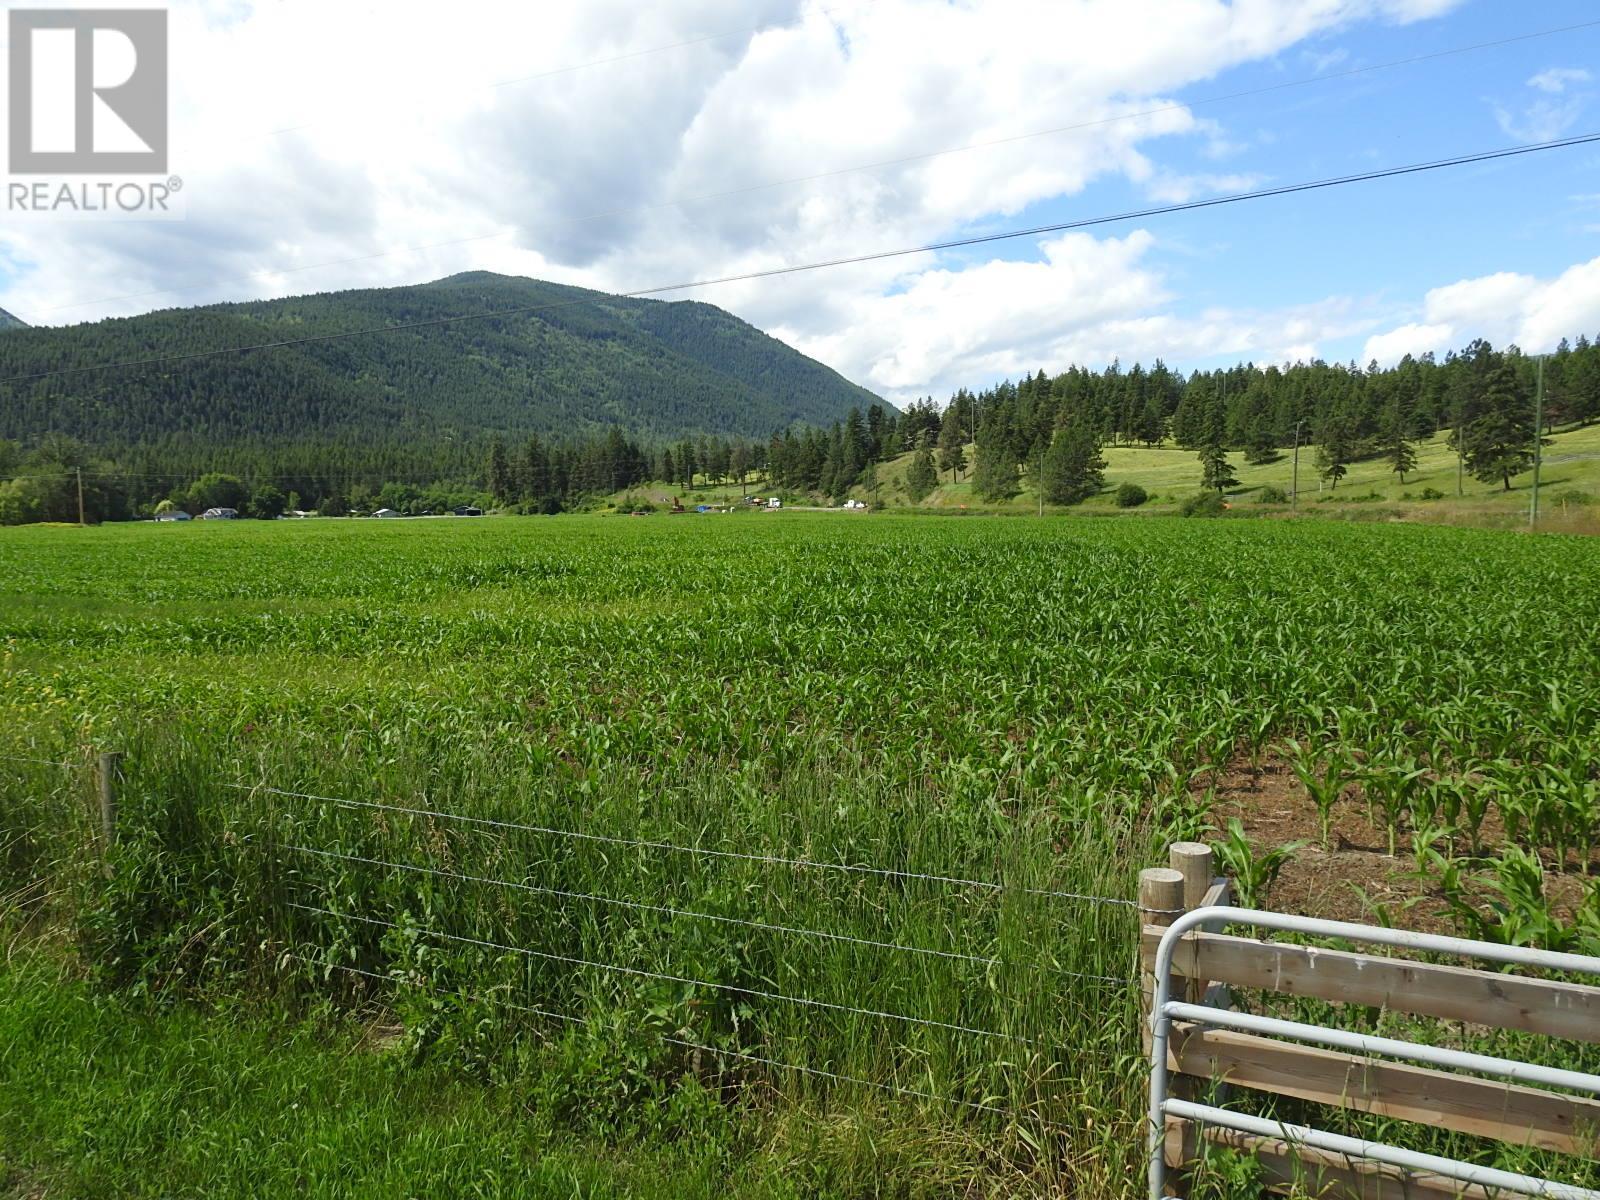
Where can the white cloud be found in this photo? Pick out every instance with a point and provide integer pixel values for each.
(1180, 189)
(1533, 313)
(440, 133)
(1557, 80)
(1090, 301)
(1413, 339)
(1546, 117)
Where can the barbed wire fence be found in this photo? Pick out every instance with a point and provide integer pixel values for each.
(343, 927)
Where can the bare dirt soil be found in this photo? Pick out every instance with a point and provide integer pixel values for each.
(1354, 876)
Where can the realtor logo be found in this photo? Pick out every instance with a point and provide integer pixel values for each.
(88, 91)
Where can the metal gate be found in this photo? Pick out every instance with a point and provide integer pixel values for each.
(1493, 999)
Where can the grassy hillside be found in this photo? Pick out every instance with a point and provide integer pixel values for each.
(1569, 487)
(575, 363)
(1569, 484)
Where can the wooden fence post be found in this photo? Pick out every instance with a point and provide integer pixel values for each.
(109, 776)
(1160, 901)
(1192, 860)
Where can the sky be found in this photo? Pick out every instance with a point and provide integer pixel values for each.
(327, 145)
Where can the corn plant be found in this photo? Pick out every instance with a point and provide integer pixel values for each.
(1253, 873)
(1040, 703)
(1324, 775)
(1395, 785)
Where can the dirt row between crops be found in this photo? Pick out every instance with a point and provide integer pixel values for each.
(1355, 875)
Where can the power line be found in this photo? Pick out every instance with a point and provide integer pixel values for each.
(852, 260)
(841, 171)
(736, 989)
(641, 843)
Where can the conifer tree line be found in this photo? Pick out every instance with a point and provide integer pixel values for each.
(1046, 430)
(1050, 430)
(550, 477)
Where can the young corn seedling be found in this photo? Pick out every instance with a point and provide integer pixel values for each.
(1253, 874)
(1324, 786)
(1394, 785)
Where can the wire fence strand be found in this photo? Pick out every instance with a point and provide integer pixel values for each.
(671, 847)
(568, 1018)
(736, 989)
(39, 762)
(655, 908)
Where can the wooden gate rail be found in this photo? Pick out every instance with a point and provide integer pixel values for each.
(1206, 963)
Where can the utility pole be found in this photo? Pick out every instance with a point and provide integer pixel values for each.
(81, 521)
(1461, 459)
(1538, 430)
(1294, 488)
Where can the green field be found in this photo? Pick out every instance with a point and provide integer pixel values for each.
(1569, 485)
(1042, 705)
(1569, 488)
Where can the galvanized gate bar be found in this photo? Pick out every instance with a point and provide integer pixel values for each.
(1394, 1156)
(1363, 1043)
(1164, 1008)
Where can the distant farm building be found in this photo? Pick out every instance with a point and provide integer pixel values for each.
(386, 512)
(176, 514)
(220, 514)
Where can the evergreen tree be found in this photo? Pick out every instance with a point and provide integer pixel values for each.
(687, 464)
(1498, 441)
(1398, 451)
(994, 468)
(1153, 421)
(1580, 383)
(1215, 469)
(870, 482)
(1333, 453)
(921, 476)
(1260, 447)
(501, 486)
(952, 439)
(1072, 469)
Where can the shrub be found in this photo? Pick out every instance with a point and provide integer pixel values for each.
(1429, 493)
(1131, 495)
(1576, 497)
(1202, 504)
(1271, 493)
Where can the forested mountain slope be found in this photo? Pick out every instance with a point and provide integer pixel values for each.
(580, 363)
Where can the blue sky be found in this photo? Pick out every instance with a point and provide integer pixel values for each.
(1387, 242)
(614, 145)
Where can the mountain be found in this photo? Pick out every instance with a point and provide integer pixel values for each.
(7, 321)
(582, 362)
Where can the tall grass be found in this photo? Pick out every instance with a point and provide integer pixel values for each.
(209, 888)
